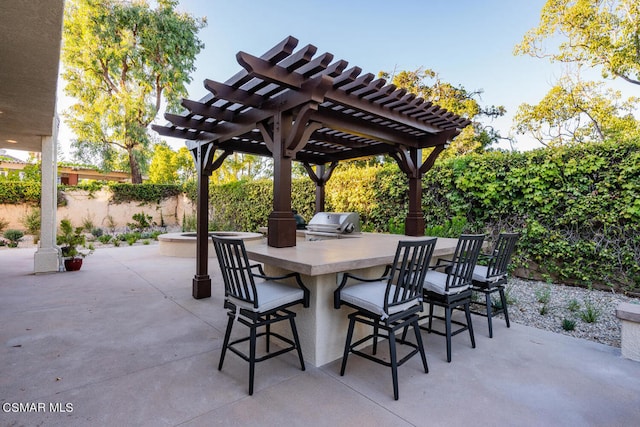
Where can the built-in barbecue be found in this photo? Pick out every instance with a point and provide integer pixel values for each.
(333, 225)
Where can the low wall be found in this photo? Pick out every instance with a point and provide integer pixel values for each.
(96, 206)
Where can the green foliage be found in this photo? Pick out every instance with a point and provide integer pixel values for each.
(573, 305)
(16, 192)
(120, 60)
(568, 324)
(104, 239)
(31, 221)
(141, 221)
(70, 238)
(87, 223)
(14, 237)
(426, 83)
(97, 232)
(171, 167)
(543, 295)
(590, 313)
(189, 222)
(149, 193)
(593, 33)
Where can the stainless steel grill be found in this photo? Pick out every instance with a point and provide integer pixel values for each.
(333, 225)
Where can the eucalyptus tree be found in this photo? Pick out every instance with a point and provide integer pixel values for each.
(122, 60)
(596, 33)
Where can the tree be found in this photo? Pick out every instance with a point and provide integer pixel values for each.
(574, 112)
(121, 59)
(170, 167)
(602, 33)
(427, 84)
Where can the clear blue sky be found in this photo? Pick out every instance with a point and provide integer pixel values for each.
(468, 42)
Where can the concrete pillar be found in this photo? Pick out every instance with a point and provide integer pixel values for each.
(46, 258)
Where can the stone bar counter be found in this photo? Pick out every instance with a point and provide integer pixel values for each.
(321, 327)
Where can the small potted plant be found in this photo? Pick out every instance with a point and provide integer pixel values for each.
(69, 240)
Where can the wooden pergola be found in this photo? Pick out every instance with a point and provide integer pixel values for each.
(294, 105)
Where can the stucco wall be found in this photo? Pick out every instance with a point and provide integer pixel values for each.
(82, 205)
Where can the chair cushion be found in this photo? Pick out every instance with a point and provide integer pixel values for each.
(480, 274)
(271, 295)
(435, 281)
(369, 296)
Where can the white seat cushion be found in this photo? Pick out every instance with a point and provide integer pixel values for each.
(271, 295)
(370, 297)
(435, 281)
(480, 274)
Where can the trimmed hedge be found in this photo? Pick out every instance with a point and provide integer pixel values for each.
(577, 208)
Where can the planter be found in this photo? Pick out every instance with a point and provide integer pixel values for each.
(72, 264)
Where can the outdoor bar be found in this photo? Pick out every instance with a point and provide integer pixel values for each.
(292, 105)
(321, 327)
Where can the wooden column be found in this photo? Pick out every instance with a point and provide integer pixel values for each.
(320, 177)
(409, 161)
(414, 222)
(203, 158)
(282, 224)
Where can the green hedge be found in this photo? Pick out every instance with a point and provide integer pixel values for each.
(149, 193)
(16, 192)
(577, 208)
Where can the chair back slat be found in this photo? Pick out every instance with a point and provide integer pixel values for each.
(235, 269)
(464, 261)
(408, 270)
(499, 262)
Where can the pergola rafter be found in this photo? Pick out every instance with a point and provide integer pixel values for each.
(292, 105)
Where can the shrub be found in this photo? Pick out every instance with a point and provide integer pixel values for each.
(543, 295)
(3, 224)
(97, 232)
(14, 237)
(590, 313)
(568, 324)
(31, 222)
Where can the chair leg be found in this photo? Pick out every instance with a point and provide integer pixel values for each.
(416, 329)
(467, 311)
(252, 358)
(375, 339)
(268, 332)
(503, 299)
(347, 345)
(447, 320)
(294, 331)
(225, 343)
(430, 317)
(394, 363)
(487, 296)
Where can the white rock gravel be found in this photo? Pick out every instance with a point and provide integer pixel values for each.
(566, 302)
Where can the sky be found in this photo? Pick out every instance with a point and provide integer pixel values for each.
(468, 42)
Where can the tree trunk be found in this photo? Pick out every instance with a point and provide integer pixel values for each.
(136, 175)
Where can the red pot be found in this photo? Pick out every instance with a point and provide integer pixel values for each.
(72, 264)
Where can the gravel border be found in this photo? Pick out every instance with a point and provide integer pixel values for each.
(566, 302)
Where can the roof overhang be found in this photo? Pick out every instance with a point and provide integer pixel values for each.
(30, 37)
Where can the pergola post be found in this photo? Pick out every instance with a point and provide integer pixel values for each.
(320, 177)
(203, 158)
(414, 222)
(45, 259)
(281, 223)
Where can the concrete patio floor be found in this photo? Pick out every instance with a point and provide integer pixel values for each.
(123, 343)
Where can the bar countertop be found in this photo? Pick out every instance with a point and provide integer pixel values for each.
(314, 258)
